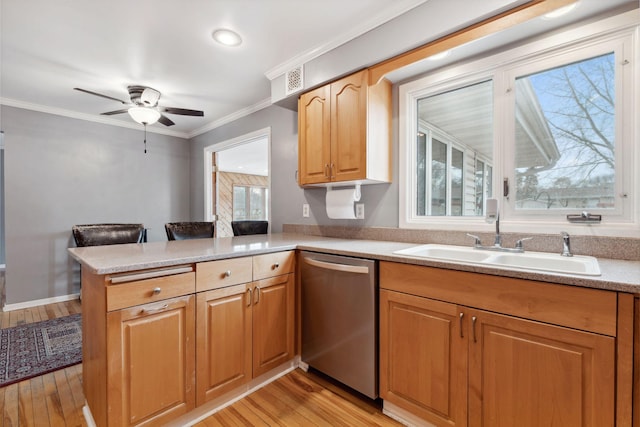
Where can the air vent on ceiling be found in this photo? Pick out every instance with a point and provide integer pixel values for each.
(294, 80)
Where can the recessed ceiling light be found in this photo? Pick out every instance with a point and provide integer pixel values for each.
(560, 12)
(440, 55)
(227, 37)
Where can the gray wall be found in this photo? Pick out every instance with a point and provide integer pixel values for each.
(381, 200)
(286, 196)
(60, 172)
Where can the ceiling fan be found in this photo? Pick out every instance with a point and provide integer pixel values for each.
(143, 107)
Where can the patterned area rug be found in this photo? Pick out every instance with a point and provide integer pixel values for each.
(37, 348)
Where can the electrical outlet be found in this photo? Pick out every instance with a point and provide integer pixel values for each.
(359, 210)
(305, 210)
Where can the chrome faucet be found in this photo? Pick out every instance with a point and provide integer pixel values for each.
(497, 244)
(498, 241)
(566, 244)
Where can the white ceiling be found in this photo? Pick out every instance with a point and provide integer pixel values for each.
(50, 47)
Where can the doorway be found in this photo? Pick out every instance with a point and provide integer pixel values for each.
(237, 180)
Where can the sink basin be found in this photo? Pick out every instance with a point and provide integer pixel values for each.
(541, 261)
(446, 252)
(585, 265)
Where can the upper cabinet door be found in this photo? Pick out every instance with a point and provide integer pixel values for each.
(314, 136)
(344, 132)
(349, 128)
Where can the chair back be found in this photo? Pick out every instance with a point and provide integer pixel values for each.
(108, 234)
(189, 230)
(242, 228)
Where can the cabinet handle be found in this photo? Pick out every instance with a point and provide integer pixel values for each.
(156, 291)
(153, 310)
(276, 265)
(473, 327)
(331, 174)
(461, 333)
(257, 294)
(250, 297)
(227, 273)
(326, 170)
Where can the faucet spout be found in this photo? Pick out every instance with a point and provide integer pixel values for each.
(566, 244)
(498, 242)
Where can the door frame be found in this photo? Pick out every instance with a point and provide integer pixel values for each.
(219, 146)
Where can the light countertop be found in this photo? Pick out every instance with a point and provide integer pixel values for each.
(616, 275)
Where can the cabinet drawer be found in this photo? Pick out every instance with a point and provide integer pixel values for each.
(225, 272)
(123, 294)
(275, 264)
(592, 310)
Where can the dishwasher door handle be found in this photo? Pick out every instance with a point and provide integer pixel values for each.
(360, 269)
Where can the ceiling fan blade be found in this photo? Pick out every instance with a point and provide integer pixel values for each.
(182, 111)
(165, 120)
(111, 113)
(100, 95)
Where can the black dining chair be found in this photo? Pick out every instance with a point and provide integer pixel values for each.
(242, 228)
(189, 230)
(108, 234)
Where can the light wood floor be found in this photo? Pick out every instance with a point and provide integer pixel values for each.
(297, 399)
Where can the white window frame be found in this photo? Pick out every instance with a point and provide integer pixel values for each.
(619, 34)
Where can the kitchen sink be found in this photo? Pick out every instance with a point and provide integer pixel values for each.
(446, 252)
(541, 261)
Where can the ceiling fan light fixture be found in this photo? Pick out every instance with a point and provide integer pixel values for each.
(144, 115)
(227, 37)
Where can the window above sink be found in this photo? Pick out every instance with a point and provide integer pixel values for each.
(540, 127)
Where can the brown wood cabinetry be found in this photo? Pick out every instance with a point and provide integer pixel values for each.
(159, 342)
(139, 345)
(447, 359)
(344, 132)
(247, 329)
(154, 373)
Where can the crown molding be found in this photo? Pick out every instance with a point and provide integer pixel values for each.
(87, 117)
(398, 8)
(107, 121)
(231, 117)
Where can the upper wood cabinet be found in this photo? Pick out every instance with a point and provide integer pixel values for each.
(344, 132)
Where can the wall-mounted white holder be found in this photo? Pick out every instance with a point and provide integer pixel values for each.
(340, 203)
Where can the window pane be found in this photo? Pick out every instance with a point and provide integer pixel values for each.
(257, 203)
(457, 198)
(421, 174)
(565, 136)
(480, 183)
(438, 178)
(249, 203)
(239, 203)
(459, 122)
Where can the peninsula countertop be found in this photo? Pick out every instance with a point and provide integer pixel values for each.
(616, 275)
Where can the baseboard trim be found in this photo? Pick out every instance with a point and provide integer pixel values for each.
(38, 302)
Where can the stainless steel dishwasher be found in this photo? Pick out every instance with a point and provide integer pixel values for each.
(339, 319)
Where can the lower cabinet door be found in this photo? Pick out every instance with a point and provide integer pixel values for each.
(423, 357)
(151, 371)
(529, 374)
(273, 322)
(224, 340)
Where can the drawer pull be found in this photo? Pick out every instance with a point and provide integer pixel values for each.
(153, 310)
(461, 316)
(250, 297)
(123, 278)
(276, 265)
(257, 294)
(227, 273)
(156, 291)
